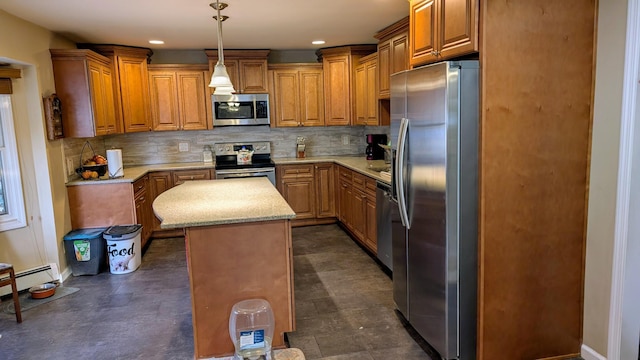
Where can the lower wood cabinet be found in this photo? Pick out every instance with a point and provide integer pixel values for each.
(357, 206)
(309, 189)
(102, 205)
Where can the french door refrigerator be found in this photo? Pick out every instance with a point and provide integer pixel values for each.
(434, 139)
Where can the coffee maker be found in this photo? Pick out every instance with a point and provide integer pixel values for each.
(373, 151)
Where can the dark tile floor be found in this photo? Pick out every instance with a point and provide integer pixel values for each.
(344, 309)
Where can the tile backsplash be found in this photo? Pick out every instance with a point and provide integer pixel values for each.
(164, 147)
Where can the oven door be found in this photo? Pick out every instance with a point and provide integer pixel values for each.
(269, 173)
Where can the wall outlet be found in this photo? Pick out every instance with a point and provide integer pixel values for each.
(70, 168)
(345, 140)
(182, 147)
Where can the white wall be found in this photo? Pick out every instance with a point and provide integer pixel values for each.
(604, 172)
(26, 46)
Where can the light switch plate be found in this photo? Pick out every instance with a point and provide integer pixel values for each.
(70, 168)
(345, 139)
(182, 147)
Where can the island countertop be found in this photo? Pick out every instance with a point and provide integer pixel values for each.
(225, 201)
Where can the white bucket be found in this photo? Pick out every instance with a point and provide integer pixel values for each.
(123, 248)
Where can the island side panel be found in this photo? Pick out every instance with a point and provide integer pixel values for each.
(101, 205)
(234, 262)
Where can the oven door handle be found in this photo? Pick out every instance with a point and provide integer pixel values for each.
(243, 171)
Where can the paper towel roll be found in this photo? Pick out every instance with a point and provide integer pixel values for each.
(114, 163)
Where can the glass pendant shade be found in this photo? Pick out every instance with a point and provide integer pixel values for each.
(221, 81)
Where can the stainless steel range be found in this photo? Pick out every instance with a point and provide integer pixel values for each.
(229, 166)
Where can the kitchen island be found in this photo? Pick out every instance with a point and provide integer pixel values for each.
(238, 241)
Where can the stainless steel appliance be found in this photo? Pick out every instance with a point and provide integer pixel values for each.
(228, 167)
(240, 109)
(434, 136)
(384, 203)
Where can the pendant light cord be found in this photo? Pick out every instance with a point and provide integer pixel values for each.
(220, 50)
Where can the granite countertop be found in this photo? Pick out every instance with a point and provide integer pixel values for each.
(215, 202)
(133, 173)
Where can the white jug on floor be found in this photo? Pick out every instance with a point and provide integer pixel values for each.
(251, 326)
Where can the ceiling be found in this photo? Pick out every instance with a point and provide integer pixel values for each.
(188, 24)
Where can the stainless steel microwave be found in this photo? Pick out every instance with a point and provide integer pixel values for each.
(240, 109)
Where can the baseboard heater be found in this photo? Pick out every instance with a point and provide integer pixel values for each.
(31, 277)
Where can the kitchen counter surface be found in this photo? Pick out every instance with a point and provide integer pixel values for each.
(356, 163)
(225, 201)
(135, 172)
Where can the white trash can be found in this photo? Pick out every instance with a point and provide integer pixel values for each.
(123, 248)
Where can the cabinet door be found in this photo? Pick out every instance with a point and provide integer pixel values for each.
(458, 31)
(358, 211)
(423, 27)
(300, 195)
(181, 176)
(399, 53)
(159, 182)
(371, 91)
(311, 98)
(384, 69)
(286, 101)
(110, 120)
(164, 100)
(325, 190)
(345, 203)
(192, 100)
(96, 88)
(360, 79)
(371, 230)
(134, 92)
(253, 76)
(337, 90)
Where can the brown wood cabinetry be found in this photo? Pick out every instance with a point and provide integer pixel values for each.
(339, 64)
(366, 91)
(325, 190)
(441, 30)
(247, 69)
(310, 191)
(357, 206)
(159, 182)
(180, 176)
(131, 85)
(393, 54)
(297, 185)
(84, 84)
(297, 94)
(144, 212)
(179, 97)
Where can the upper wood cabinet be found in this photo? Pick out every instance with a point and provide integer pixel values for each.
(179, 97)
(131, 84)
(366, 91)
(393, 53)
(247, 69)
(84, 84)
(339, 67)
(297, 94)
(441, 30)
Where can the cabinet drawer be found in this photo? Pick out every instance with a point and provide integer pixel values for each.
(370, 186)
(358, 181)
(185, 175)
(297, 171)
(345, 174)
(140, 185)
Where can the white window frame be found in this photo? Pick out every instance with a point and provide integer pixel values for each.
(14, 197)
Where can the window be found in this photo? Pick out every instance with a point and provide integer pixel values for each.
(12, 215)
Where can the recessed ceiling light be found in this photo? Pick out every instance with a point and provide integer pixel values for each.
(317, 42)
(156, 42)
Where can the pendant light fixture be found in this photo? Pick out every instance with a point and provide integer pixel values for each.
(220, 78)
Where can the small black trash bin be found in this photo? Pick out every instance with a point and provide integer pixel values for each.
(86, 251)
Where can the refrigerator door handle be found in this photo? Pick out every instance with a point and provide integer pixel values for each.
(400, 162)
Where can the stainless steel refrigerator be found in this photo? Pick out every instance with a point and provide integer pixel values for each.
(434, 140)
